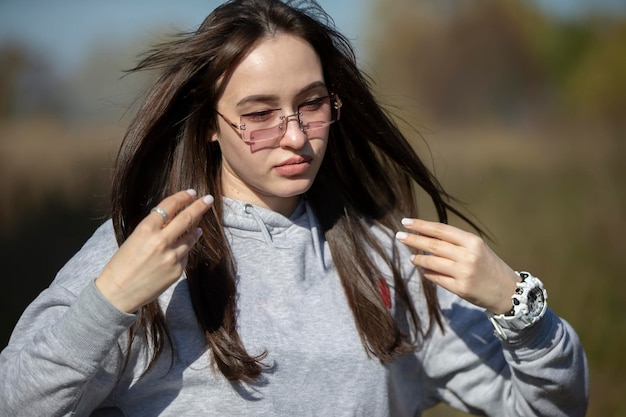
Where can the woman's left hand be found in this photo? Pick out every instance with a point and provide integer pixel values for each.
(462, 263)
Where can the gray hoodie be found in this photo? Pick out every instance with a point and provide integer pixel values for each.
(66, 354)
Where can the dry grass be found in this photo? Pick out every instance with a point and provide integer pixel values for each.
(40, 158)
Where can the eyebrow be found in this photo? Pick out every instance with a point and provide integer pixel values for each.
(268, 98)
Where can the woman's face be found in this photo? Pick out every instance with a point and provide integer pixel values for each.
(282, 72)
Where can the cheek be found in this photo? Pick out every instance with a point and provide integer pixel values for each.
(240, 162)
(235, 156)
(322, 146)
(230, 144)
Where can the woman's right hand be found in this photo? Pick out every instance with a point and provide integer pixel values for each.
(155, 255)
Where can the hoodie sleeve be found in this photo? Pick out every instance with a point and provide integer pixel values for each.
(63, 357)
(542, 371)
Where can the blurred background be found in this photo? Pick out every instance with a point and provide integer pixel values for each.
(518, 106)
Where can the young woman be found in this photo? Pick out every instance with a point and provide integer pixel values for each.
(293, 276)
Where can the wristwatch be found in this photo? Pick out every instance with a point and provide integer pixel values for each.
(529, 306)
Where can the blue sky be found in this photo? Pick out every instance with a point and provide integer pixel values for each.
(66, 29)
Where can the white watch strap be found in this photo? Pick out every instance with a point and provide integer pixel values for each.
(529, 306)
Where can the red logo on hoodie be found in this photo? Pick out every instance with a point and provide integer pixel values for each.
(383, 287)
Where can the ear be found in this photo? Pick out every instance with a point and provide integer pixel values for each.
(214, 137)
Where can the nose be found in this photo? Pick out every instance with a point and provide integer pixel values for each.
(294, 137)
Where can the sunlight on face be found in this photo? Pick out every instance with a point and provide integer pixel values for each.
(282, 72)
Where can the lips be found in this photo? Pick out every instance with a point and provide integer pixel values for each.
(300, 159)
(294, 166)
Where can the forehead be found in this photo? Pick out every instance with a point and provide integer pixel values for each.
(280, 66)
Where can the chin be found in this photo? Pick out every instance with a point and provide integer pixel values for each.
(293, 190)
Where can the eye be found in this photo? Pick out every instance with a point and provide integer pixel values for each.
(313, 105)
(261, 116)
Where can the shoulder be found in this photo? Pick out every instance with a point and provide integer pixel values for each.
(87, 264)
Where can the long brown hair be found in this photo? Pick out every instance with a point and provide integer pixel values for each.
(367, 177)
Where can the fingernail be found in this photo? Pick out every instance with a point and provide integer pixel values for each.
(407, 222)
(401, 235)
(208, 199)
(198, 232)
(192, 192)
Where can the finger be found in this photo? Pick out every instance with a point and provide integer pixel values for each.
(186, 242)
(161, 213)
(439, 271)
(430, 245)
(169, 206)
(437, 230)
(439, 279)
(188, 219)
(435, 265)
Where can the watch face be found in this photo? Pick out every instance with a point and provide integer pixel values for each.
(535, 301)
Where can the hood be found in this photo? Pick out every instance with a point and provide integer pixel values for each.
(247, 221)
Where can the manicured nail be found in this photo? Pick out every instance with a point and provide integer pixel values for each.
(198, 232)
(407, 222)
(208, 199)
(401, 235)
(192, 192)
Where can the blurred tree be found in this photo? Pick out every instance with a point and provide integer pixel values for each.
(12, 60)
(459, 62)
(95, 92)
(501, 61)
(101, 90)
(597, 86)
(27, 86)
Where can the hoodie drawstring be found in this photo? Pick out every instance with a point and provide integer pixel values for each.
(249, 209)
(315, 235)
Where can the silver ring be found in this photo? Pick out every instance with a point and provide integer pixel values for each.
(161, 212)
